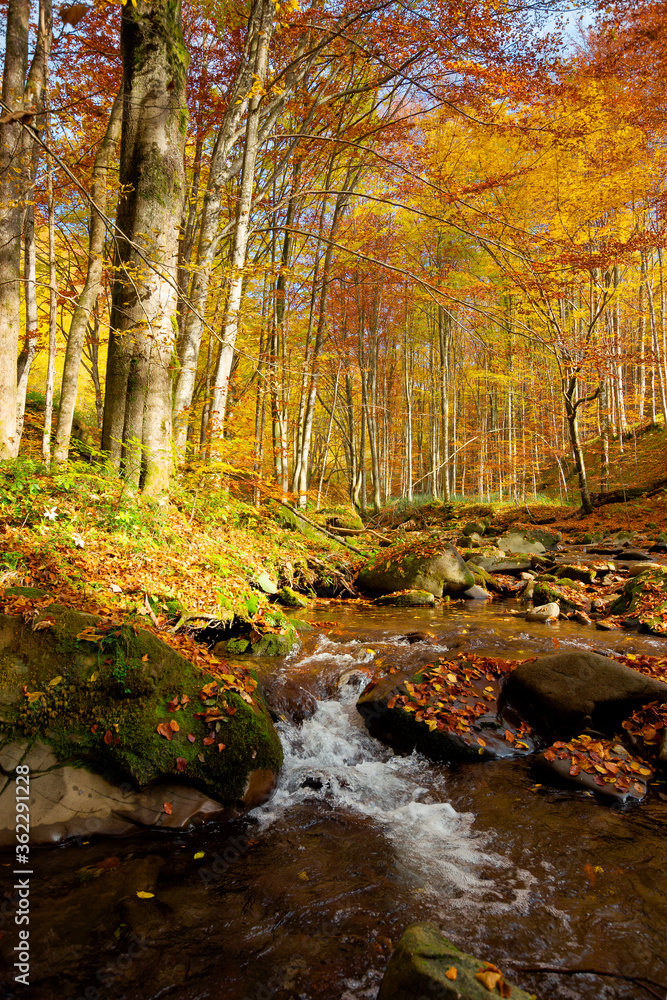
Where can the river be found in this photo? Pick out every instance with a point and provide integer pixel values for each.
(304, 898)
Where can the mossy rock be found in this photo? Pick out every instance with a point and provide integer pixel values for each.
(422, 964)
(475, 528)
(291, 599)
(584, 574)
(275, 644)
(484, 579)
(407, 599)
(95, 693)
(630, 600)
(345, 521)
(546, 592)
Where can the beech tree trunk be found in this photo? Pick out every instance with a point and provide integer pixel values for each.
(88, 297)
(18, 94)
(137, 413)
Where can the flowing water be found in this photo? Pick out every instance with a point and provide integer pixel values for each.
(305, 897)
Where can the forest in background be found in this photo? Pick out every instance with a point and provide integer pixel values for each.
(370, 249)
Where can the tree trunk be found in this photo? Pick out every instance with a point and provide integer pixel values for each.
(137, 411)
(88, 297)
(53, 315)
(15, 190)
(230, 324)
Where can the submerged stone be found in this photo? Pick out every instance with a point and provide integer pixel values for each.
(425, 964)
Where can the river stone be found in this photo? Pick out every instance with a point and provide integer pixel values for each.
(634, 569)
(290, 598)
(636, 555)
(573, 571)
(407, 599)
(431, 564)
(104, 694)
(511, 567)
(417, 969)
(632, 593)
(564, 693)
(637, 785)
(514, 542)
(477, 594)
(544, 613)
(70, 801)
(265, 583)
(474, 528)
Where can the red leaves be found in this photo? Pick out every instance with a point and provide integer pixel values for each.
(108, 737)
(177, 703)
(167, 808)
(191, 737)
(208, 740)
(181, 764)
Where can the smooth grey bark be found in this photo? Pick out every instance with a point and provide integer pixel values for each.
(88, 297)
(53, 315)
(230, 325)
(137, 412)
(22, 99)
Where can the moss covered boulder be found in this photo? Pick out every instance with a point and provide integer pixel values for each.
(426, 964)
(644, 597)
(118, 701)
(568, 593)
(430, 564)
(407, 599)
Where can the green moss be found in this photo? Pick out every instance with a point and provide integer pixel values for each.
(104, 694)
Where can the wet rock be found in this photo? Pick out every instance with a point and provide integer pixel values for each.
(659, 547)
(512, 567)
(549, 590)
(581, 617)
(540, 562)
(73, 802)
(407, 599)
(426, 964)
(431, 564)
(290, 598)
(484, 579)
(117, 701)
(635, 554)
(545, 613)
(566, 692)
(634, 569)
(597, 765)
(289, 698)
(572, 571)
(447, 711)
(662, 752)
(476, 593)
(605, 625)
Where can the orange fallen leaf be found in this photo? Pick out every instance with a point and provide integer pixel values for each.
(489, 979)
(451, 973)
(164, 729)
(167, 808)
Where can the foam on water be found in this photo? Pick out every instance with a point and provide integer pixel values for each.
(331, 756)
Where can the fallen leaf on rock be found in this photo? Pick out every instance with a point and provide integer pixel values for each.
(200, 854)
(164, 729)
(181, 764)
(488, 978)
(504, 988)
(208, 740)
(451, 973)
(54, 681)
(146, 895)
(221, 746)
(168, 808)
(108, 737)
(191, 737)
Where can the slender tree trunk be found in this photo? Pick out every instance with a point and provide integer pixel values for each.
(88, 297)
(53, 314)
(137, 412)
(18, 94)
(230, 325)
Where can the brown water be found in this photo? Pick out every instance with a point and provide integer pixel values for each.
(304, 899)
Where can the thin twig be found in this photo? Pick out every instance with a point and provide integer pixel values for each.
(638, 980)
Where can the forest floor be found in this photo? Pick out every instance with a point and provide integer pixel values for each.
(81, 535)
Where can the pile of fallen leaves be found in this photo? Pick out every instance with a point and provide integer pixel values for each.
(646, 727)
(607, 762)
(455, 694)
